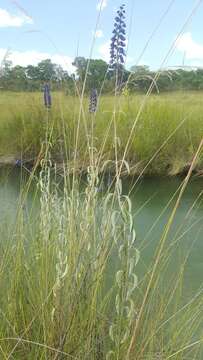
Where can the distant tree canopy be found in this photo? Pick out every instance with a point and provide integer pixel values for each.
(96, 73)
(168, 80)
(31, 78)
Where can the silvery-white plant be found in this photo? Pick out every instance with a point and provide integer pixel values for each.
(126, 280)
(54, 209)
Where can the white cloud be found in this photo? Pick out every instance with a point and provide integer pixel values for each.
(130, 60)
(33, 57)
(191, 49)
(98, 34)
(9, 20)
(102, 4)
(104, 51)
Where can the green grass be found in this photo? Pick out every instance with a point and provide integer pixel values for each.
(165, 133)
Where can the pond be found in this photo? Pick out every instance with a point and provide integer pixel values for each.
(153, 200)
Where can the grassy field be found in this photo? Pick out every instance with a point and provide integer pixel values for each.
(158, 135)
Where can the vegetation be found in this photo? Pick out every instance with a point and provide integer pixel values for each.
(138, 78)
(71, 280)
(163, 137)
(70, 272)
(31, 78)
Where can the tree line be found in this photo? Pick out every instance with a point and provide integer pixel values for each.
(98, 76)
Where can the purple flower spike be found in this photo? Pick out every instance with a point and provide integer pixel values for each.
(93, 101)
(47, 96)
(118, 41)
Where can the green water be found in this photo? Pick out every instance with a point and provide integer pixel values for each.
(151, 212)
(149, 198)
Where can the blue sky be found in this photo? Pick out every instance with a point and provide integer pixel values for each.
(36, 29)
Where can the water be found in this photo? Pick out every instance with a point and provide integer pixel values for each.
(153, 201)
(149, 198)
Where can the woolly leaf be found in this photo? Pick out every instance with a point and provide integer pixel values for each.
(53, 314)
(137, 256)
(132, 286)
(125, 336)
(121, 250)
(118, 304)
(119, 278)
(111, 332)
(110, 355)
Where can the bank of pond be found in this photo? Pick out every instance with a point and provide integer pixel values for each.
(156, 135)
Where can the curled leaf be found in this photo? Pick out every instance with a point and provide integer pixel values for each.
(119, 278)
(130, 310)
(107, 200)
(52, 314)
(120, 251)
(65, 272)
(133, 236)
(137, 256)
(111, 332)
(125, 336)
(119, 186)
(110, 355)
(132, 286)
(131, 266)
(118, 304)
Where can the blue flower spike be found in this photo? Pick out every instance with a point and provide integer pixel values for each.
(93, 101)
(47, 96)
(118, 41)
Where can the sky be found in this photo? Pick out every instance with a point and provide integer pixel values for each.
(161, 33)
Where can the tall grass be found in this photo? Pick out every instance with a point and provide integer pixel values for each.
(175, 117)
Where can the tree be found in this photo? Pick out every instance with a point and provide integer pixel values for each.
(32, 73)
(97, 70)
(141, 78)
(46, 70)
(140, 69)
(81, 64)
(18, 78)
(5, 74)
(30, 78)
(96, 73)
